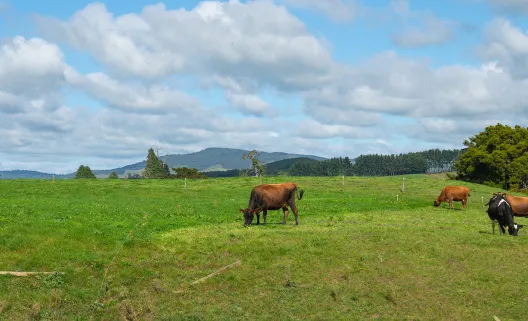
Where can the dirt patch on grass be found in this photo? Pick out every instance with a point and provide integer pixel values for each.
(127, 310)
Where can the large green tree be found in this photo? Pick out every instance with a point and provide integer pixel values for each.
(84, 172)
(497, 156)
(155, 168)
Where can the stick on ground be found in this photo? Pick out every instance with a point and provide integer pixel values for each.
(19, 273)
(217, 272)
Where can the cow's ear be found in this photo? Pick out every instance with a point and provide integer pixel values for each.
(503, 194)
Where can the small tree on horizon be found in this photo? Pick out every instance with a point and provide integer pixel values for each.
(154, 167)
(84, 172)
(113, 175)
(257, 166)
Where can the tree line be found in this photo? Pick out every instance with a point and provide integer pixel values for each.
(429, 161)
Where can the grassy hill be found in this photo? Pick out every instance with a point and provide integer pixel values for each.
(272, 168)
(134, 248)
(285, 164)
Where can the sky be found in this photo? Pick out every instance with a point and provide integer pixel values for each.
(99, 83)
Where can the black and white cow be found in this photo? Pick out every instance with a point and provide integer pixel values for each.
(500, 210)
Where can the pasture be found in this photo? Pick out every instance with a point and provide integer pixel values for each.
(130, 249)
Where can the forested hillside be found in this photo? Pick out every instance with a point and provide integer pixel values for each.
(429, 161)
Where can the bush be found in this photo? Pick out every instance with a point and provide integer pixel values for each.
(113, 175)
(84, 172)
(451, 176)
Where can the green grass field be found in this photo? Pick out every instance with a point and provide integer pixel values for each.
(132, 248)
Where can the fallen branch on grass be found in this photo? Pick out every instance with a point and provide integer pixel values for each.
(17, 273)
(217, 272)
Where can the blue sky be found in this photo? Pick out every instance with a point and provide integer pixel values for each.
(99, 83)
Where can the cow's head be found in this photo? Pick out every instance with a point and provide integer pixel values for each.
(248, 216)
(436, 203)
(516, 229)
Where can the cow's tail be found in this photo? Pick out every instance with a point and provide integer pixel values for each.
(300, 195)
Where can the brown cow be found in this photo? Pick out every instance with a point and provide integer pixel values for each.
(272, 197)
(453, 193)
(519, 204)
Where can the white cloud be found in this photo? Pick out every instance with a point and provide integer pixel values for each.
(316, 130)
(432, 31)
(30, 66)
(415, 28)
(241, 95)
(508, 45)
(131, 97)
(393, 85)
(230, 39)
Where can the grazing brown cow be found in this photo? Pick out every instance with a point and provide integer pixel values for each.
(272, 197)
(453, 193)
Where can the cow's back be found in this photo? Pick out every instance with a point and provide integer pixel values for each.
(519, 204)
(457, 192)
(275, 196)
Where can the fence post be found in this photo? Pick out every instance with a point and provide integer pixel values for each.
(343, 182)
(260, 179)
(403, 185)
(53, 178)
(216, 212)
(185, 183)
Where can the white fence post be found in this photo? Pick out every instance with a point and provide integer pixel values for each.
(185, 183)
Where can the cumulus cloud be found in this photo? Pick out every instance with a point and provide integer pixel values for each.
(432, 31)
(131, 97)
(390, 84)
(508, 45)
(416, 28)
(241, 95)
(31, 67)
(230, 39)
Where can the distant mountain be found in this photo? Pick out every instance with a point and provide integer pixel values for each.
(25, 174)
(209, 159)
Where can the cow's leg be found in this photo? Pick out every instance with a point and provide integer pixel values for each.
(464, 203)
(512, 227)
(450, 200)
(265, 214)
(294, 210)
(257, 212)
(285, 211)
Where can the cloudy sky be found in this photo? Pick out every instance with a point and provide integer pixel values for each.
(99, 83)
